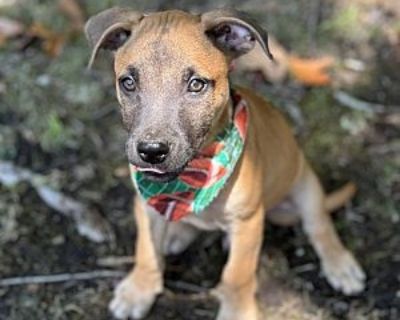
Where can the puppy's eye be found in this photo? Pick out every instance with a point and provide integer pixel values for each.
(128, 83)
(197, 85)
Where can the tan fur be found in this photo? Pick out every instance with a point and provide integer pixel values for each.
(272, 177)
(256, 60)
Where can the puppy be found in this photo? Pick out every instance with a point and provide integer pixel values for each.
(208, 155)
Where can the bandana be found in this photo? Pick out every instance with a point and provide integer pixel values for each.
(204, 177)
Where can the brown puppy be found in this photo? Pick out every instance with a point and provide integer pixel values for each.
(172, 84)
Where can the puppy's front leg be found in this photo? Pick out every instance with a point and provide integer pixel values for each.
(135, 295)
(237, 290)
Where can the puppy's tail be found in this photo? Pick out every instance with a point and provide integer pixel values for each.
(339, 197)
(333, 201)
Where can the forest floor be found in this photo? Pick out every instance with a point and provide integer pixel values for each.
(62, 123)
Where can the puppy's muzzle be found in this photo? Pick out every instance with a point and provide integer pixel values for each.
(153, 152)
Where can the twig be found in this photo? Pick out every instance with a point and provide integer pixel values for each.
(114, 261)
(181, 285)
(62, 277)
(188, 297)
(88, 221)
(304, 268)
(354, 103)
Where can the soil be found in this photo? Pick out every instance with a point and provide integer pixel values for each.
(62, 122)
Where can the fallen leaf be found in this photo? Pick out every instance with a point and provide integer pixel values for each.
(54, 46)
(73, 11)
(39, 30)
(311, 72)
(53, 42)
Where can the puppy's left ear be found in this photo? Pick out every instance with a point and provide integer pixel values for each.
(234, 32)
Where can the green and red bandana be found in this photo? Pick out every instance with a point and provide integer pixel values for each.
(204, 177)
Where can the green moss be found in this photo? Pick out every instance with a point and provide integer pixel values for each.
(55, 133)
(345, 22)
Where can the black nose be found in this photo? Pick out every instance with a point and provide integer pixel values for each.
(152, 152)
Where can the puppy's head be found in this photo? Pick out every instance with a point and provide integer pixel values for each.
(171, 70)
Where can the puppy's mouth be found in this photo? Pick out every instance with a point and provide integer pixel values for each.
(158, 175)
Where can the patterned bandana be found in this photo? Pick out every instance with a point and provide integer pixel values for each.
(204, 177)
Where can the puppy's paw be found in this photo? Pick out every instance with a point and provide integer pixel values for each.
(344, 274)
(135, 295)
(234, 306)
(228, 313)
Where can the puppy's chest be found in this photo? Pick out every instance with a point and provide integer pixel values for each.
(219, 214)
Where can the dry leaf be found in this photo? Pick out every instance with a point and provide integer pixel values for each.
(40, 31)
(53, 42)
(73, 11)
(311, 72)
(53, 46)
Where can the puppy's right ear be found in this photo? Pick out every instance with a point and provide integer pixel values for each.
(110, 29)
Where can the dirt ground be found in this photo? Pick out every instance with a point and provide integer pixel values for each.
(62, 123)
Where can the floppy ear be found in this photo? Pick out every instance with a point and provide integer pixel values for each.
(234, 32)
(110, 29)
